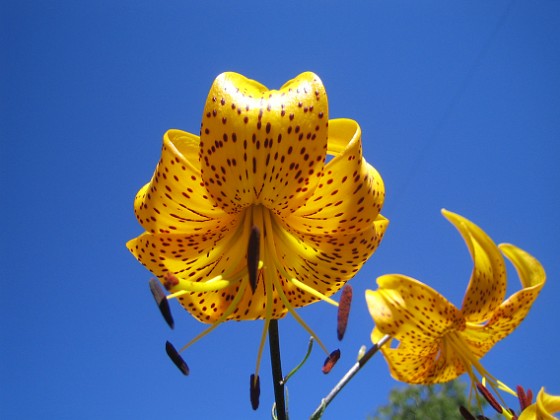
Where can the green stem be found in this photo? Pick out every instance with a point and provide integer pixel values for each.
(277, 379)
(346, 378)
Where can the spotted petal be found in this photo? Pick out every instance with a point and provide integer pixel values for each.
(514, 310)
(261, 146)
(411, 311)
(433, 364)
(487, 286)
(325, 262)
(350, 193)
(176, 200)
(418, 317)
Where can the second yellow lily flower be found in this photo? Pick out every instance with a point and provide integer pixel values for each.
(437, 341)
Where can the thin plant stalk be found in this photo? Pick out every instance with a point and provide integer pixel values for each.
(346, 378)
(277, 378)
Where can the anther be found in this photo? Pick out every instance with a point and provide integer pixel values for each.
(255, 391)
(331, 361)
(466, 413)
(525, 398)
(489, 397)
(176, 358)
(343, 311)
(253, 251)
(161, 301)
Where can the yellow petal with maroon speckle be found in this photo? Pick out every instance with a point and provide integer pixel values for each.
(325, 262)
(435, 364)
(487, 286)
(261, 146)
(176, 200)
(411, 311)
(513, 310)
(350, 192)
(195, 258)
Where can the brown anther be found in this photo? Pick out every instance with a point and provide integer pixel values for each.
(255, 391)
(343, 311)
(331, 361)
(525, 398)
(530, 396)
(466, 413)
(489, 397)
(176, 358)
(253, 251)
(161, 301)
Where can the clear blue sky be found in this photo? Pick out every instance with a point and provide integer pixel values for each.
(459, 104)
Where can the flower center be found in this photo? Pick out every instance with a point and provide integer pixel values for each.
(456, 347)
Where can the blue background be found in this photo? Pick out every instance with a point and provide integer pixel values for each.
(459, 104)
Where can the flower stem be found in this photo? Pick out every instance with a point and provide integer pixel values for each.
(277, 379)
(346, 378)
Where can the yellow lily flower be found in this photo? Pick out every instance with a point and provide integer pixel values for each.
(543, 408)
(259, 165)
(437, 341)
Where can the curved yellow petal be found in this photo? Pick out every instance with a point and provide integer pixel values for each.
(513, 311)
(435, 364)
(487, 286)
(324, 262)
(261, 146)
(411, 311)
(175, 200)
(350, 193)
(207, 258)
(543, 409)
(182, 254)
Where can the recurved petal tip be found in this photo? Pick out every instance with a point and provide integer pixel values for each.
(161, 301)
(176, 358)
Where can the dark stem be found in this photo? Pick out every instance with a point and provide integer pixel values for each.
(349, 375)
(274, 343)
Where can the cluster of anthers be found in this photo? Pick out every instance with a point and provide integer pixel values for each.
(542, 409)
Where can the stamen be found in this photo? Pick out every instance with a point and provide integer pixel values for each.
(331, 361)
(255, 391)
(343, 311)
(301, 322)
(489, 397)
(307, 288)
(268, 311)
(525, 398)
(282, 235)
(163, 305)
(276, 282)
(504, 387)
(176, 358)
(466, 413)
(222, 318)
(262, 343)
(253, 253)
